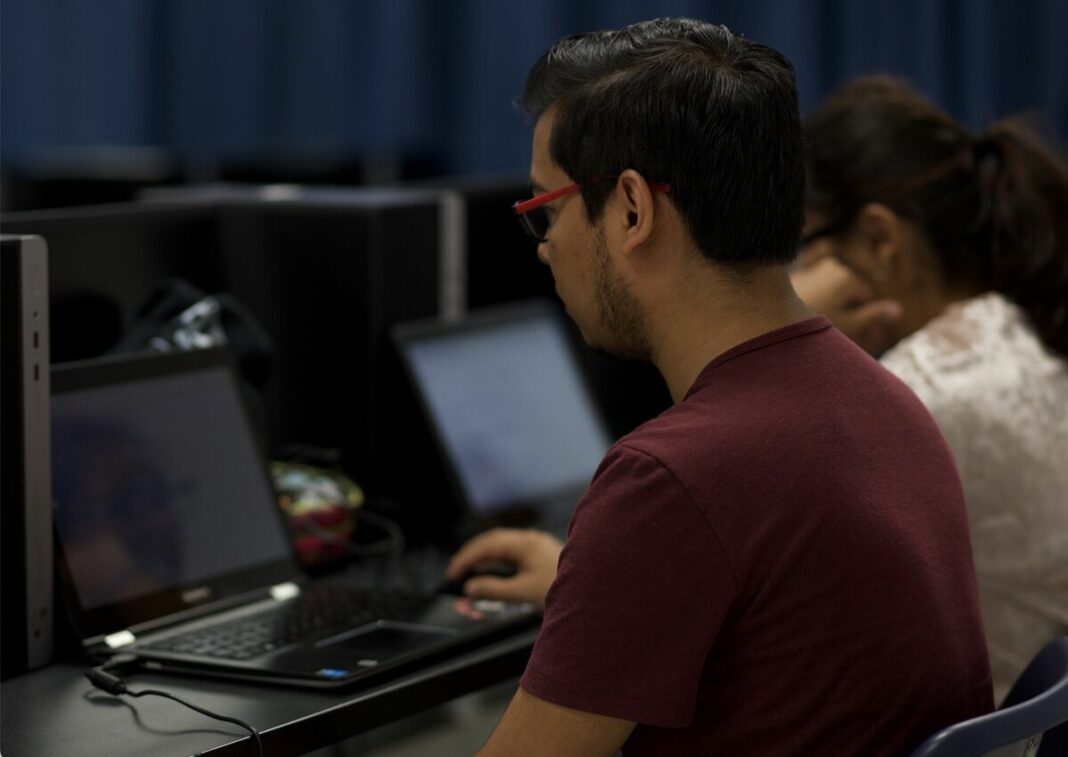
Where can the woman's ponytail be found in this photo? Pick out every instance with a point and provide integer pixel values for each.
(1024, 222)
(993, 206)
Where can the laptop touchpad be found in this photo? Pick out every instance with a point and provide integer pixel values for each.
(385, 640)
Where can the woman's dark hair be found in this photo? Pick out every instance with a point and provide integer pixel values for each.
(994, 205)
(690, 104)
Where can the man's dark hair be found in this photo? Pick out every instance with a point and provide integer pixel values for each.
(690, 104)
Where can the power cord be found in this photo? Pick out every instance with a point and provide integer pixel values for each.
(115, 686)
(392, 544)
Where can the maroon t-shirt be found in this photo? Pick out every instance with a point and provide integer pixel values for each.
(778, 564)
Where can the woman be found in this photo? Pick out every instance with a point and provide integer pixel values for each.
(946, 252)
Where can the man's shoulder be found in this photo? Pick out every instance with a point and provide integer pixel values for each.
(769, 397)
(796, 420)
(686, 426)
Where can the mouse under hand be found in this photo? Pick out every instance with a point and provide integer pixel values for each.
(456, 585)
(531, 558)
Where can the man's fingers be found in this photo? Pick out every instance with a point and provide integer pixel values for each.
(534, 554)
(498, 545)
(517, 589)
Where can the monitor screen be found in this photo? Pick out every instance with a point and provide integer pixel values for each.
(510, 408)
(158, 484)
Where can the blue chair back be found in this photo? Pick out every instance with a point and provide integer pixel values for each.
(1031, 722)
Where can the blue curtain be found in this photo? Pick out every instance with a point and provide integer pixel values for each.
(211, 79)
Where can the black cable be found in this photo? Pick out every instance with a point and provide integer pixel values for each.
(202, 711)
(114, 685)
(392, 544)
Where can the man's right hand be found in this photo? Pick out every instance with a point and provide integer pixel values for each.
(534, 554)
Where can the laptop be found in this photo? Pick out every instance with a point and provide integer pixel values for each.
(171, 546)
(509, 408)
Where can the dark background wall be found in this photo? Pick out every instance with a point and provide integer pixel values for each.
(99, 98)
(361, 90)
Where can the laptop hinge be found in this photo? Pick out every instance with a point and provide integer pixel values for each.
(286, 590)
(119, 639)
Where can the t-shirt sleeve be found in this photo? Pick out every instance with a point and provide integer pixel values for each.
(642, 588)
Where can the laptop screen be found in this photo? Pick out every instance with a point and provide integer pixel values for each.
(508, 403)
(158, 484)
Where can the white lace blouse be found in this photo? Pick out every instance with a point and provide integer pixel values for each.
(1001, 399)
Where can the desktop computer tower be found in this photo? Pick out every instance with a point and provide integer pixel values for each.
(25, 448)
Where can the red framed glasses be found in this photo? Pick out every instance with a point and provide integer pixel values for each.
(534, 216)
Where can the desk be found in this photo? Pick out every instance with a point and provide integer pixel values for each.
(55, 711)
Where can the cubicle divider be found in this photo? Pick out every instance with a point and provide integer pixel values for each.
(324, 272)
(105, 260)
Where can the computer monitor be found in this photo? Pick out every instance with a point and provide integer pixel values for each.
(25, 479)
(509, 408)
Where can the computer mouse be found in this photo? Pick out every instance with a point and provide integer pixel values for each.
(456, 587)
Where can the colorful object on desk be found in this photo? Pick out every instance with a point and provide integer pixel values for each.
(321, 505)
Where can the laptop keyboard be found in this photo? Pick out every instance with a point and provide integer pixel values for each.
(314, 611)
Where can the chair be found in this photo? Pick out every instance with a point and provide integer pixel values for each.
(1031, 722)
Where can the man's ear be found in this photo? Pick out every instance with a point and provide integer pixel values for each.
(880, 237)
(635, 210)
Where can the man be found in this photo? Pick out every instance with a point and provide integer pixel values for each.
(779, 563)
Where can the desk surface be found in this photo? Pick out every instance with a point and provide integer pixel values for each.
(56, 711)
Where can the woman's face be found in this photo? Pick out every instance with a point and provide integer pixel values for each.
(886, 258)
(847, 246)
(839, 292)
